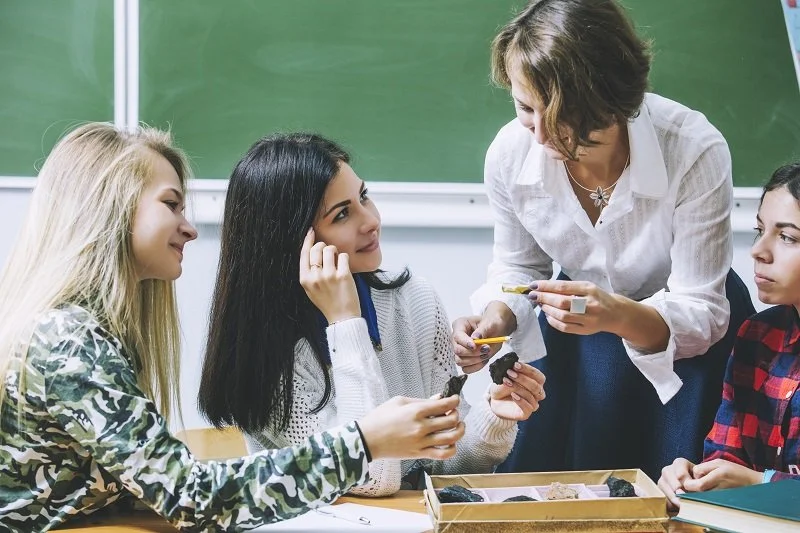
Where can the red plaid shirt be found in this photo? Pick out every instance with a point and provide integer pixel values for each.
(758, 422)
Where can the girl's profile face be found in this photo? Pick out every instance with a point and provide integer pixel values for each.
(776, 249)
(349, 220)
(160, 229)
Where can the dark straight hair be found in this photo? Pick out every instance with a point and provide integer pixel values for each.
(259, 310)
(786, 176)
(583, 60)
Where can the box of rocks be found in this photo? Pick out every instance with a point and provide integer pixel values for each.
(587, 501)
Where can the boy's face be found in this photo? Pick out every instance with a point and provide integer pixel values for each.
(160, 229)
(776, 249)
(349, 220)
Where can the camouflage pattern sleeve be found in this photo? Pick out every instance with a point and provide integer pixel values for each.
(117, 441)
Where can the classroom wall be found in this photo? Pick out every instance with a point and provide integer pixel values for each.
(453, 259)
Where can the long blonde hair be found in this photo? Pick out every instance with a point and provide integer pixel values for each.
(75, 248)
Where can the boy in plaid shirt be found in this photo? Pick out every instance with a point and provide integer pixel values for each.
(756, 434)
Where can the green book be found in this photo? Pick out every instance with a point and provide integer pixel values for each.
(773, 507)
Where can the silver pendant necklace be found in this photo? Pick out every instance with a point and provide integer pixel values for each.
(600, 196)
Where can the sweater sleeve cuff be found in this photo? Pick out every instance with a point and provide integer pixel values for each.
(348, 341)
(488, 426)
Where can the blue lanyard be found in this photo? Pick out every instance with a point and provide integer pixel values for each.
(367, 313)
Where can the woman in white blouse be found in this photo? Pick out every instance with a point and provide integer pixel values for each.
(630, 194)
(305, 330)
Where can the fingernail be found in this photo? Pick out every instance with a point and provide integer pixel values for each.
(534, 286)
(533, 296)
(310, 231)
(485, 348)
(507, 382)
(518, 366)
(515, 396)
(513, 374)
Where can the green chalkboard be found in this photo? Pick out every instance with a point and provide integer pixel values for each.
(56, 70)
(405, 84)
(731, 60)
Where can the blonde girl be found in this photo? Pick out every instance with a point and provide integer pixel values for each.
(89, 353)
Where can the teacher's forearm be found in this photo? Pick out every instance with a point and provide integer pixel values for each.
(641, 325)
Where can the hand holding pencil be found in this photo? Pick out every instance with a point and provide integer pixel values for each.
(477, 338)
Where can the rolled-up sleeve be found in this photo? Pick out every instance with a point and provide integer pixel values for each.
(694, 307)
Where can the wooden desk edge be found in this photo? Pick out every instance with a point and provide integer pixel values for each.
(405, 500)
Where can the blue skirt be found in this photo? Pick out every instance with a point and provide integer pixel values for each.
(602, 413)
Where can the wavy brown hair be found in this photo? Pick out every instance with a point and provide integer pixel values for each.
(582, 59)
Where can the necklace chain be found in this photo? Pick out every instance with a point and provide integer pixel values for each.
(600, 195)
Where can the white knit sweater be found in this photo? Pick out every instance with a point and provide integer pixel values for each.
(416, 361)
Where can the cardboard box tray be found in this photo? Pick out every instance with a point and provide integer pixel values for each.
(645, 512)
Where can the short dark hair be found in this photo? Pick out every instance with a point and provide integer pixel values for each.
(259, 310)
(583, 59)
(786, 176)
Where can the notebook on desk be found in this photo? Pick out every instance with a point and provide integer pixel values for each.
(773, 507)
(354, 517)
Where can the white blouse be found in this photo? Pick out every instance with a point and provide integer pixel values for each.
(664, 239)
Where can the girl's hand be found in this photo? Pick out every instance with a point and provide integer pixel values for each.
(410, 428)
(672, 481)
(721, 474)
(519, 395)
(326, 278)
(555, 299)
(497, 321)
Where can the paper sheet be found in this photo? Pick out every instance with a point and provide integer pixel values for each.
(383, 520)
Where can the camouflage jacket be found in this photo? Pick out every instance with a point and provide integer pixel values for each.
(87, 436)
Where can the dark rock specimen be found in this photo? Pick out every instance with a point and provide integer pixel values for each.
(620, 488)
(458, 494)
(454, 385)
(499, 368)
(519, 498)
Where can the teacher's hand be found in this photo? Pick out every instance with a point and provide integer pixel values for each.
(497, 321)
(602, 311)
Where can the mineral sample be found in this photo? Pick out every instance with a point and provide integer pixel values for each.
(620, 488)
(519, 498)
(454, 385)
(499, 368)
(458, 494)
(559, 491)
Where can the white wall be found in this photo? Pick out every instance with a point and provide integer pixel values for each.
(453, 259)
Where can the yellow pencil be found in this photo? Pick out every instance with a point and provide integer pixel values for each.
(491, 340)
